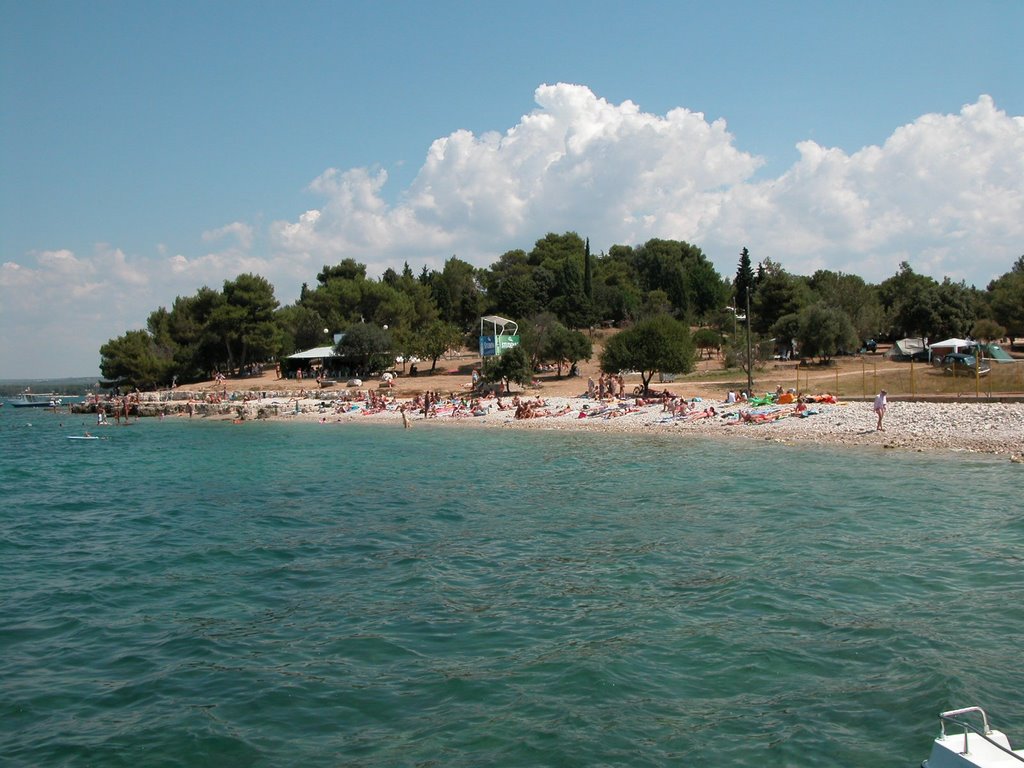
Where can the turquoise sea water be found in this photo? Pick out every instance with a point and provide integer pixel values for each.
(301, 594)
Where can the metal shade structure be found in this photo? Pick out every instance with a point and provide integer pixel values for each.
(498, 322)
(497, 334)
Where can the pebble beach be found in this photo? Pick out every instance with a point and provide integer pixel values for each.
(988, 427)
(983, 427)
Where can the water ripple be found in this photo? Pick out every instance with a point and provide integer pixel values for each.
(277, 594)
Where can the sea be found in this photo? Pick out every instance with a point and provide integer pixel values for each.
(199, 593)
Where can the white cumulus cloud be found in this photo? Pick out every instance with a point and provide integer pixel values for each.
(238, 230)
(944, 192)
(612, 172)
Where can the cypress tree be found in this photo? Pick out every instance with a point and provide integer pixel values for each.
(744, 282)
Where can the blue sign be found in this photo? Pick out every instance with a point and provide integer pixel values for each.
(492, 346)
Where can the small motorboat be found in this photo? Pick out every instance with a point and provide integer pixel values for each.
(972, 747)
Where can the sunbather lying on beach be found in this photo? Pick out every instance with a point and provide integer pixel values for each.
(762, 416)
(597, 411)
(824, 398)
(707, 413)
(622, 410)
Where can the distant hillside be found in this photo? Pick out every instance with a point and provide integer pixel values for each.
(70, 386)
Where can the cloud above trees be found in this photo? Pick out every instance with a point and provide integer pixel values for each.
(945, 192)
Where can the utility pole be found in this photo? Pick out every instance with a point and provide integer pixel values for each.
(750, 360)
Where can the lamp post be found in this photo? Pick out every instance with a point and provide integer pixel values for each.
(750, 360)
(736, 316)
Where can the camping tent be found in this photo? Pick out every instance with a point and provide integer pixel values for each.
(908, 349)
(995, 353)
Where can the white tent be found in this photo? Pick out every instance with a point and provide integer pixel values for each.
(940, 349)
(953, 345)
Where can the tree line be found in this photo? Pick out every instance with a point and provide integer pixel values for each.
(553, 291)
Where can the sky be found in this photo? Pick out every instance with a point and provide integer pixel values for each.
(149, 149)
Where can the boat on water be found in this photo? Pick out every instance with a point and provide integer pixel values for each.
(971, 746)
(37, 400)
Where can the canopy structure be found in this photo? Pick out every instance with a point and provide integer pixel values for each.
(497, 334)
(951, 345)
(315, 353)
(498, 322)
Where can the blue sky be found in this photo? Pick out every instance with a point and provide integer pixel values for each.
(150, 148)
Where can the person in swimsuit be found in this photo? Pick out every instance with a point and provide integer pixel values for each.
(880, 405)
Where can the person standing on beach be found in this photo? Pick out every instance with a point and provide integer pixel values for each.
(880, 406)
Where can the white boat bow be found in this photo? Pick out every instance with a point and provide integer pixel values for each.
(972, 747)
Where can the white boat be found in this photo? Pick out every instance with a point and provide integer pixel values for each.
(37, 400)
(971, 747)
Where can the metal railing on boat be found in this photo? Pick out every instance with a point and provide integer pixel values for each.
(953, 717)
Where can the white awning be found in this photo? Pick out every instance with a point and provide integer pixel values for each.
(313, 354)
(951, 344)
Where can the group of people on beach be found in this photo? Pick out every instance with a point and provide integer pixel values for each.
(431, 405)
(607, 399)
(369, 402)
(535, 409)
(607, 385)
(604, 399)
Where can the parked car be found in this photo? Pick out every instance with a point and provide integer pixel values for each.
(966, 364)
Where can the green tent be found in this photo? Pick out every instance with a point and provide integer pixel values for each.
(995, 353)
